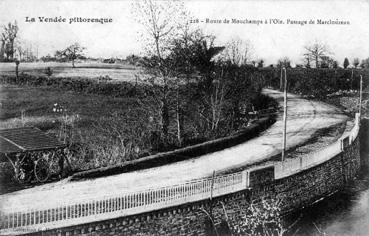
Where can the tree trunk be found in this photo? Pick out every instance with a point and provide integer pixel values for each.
(16, 68)
(165, 120)
(165, 114)
(11, 50)
(2, 50)
(316, 61)
(73, 63)
(179, 121)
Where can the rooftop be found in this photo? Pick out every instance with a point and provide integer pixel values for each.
(26, 139)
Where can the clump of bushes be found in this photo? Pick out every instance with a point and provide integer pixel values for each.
(48, 71)
(104, 78)
(318, 83)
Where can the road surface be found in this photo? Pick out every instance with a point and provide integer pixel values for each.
(304, 119)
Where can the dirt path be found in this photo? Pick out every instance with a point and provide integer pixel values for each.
(305, 118)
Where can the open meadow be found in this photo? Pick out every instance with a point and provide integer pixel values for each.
(116, 71)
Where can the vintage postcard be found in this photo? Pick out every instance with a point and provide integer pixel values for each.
(184, 117)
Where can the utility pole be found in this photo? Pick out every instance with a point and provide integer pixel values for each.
(352, 78)
(281, 79)
(211, 193)
(284, 115)
(361, 94)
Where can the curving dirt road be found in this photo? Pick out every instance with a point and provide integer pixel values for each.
(304, 119)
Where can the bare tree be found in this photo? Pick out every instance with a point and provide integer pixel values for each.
(284, 62)
(71, 53)
(238, 51)
(161, 22)
(315, 52)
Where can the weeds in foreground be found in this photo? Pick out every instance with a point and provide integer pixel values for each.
(259, 217)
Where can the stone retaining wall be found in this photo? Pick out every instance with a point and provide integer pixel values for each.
(296, 191)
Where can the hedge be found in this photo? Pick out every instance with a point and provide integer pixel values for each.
(79, 84)
(318, 83)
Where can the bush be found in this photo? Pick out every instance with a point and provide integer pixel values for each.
(48, 71)
(318, 83)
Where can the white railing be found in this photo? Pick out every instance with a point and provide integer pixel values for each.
(90, 210)
(17, 220)
(295, 165)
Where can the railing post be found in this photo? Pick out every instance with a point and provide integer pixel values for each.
(244, 179)
(12, 222)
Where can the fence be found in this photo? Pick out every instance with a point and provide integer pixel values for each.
(91, 210)
(295, 165)
(15, 220)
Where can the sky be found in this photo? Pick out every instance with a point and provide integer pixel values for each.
(270, 41)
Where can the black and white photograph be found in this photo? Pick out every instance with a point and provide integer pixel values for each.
(184, 117)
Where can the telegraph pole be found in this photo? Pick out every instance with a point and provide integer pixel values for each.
(361, 94)
(284, 114)
(281, 79)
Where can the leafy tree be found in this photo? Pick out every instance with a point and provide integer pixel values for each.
(335, 64)
(21, 51)
(261, 63)
(8, 37)
(356, 62)
(327, 62)
(71, 53)
(307, 60)
(346, 63)
(193, 53)
(365, 63)
(132, 59)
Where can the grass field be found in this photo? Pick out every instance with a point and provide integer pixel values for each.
(88, 70)
(89, 115)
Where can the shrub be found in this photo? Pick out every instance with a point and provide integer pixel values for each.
(81, 85)
(48, 71)
(318, 83)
